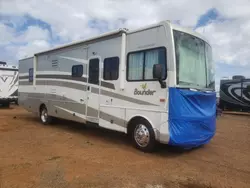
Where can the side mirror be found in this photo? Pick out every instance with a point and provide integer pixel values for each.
(157, 74)
(157, 71)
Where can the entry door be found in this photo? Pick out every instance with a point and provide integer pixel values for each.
(93, 90)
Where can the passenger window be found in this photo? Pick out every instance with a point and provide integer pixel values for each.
(135, 66)
(77, 71)
(140, 64)
(31, 75)
(111, 68)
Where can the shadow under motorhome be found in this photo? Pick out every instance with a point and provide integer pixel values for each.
(138, 82)
(8, 84)
(235, 94)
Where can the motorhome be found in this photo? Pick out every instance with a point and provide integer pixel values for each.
(154, 83)
(8, 84)
(235, 94)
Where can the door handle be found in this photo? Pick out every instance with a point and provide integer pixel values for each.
(88, 88)
(81, 100)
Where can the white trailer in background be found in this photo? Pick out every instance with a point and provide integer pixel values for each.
(8, 84)
(155, 83)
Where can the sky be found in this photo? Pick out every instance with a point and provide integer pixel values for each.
(29, 26)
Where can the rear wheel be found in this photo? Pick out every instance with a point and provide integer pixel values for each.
(44, 116)
(143, 136)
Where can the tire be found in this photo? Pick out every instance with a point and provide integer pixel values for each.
(142, 128)
(44, 117)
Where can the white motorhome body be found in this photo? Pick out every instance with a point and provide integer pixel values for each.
(8, 84)
(106, 80)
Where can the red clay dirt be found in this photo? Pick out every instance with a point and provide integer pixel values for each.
(71, 155)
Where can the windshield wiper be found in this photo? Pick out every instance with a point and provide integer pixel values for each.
(186, 83)
(189, 84)
(193, 86)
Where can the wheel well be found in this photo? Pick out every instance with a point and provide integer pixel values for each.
(41, 106)
(131, 123)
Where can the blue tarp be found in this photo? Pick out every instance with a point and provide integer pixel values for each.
(192, 117)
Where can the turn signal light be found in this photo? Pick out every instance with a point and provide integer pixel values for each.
(162, 100)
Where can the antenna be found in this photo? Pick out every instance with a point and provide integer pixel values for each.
(124, 29)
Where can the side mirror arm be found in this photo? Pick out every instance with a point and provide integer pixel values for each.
(163, 84)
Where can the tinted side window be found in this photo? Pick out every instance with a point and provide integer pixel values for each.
(77, 71)
(135, 66)
(140, 64)
(31, 75)
(111, 68)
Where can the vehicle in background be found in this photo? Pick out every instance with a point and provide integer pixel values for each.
(8, 84)
(235, 94)
(155, 83)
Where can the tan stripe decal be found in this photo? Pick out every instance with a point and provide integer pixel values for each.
(66, 77)
(69, 77)
(62, 84)
(76, 107)
(93, 90)
(115, 120)
(24, 83)
(23, 77)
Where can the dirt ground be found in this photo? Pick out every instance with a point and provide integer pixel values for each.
(70, 155)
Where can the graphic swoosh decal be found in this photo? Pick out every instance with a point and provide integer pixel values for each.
(234, 86)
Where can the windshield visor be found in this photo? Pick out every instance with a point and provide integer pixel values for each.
(194, 65)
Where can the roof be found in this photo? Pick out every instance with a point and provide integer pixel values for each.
(9, 67)
(122, 30)
(111, 33)
(84, 41)
(189, 31)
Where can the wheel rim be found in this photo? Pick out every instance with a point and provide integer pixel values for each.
(141, 135)
(44, 115)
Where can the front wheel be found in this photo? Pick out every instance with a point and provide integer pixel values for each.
(143, 136)
(44, 117)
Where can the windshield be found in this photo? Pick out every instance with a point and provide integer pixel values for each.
(194, 64)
